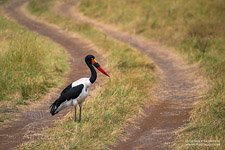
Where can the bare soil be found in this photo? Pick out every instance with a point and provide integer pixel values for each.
(30, 123)
(179, 86)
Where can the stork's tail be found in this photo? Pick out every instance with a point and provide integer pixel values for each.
(53, 108)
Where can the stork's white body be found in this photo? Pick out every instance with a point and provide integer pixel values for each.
(81, 98)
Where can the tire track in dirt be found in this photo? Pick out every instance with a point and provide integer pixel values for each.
(30, 123)
(179, 86)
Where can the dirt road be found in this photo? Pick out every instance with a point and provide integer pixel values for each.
(179, 86)
(31, 122)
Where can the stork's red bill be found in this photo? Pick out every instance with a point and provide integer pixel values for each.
(96, 64)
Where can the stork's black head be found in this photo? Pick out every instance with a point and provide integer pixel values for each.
(90, 59)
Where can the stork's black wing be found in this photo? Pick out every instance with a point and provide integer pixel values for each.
(66, 89)
(72, 93)
(68, 94)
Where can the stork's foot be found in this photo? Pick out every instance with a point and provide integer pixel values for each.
(75, 119)
(80, 113)
(79, 120)
(75, 113)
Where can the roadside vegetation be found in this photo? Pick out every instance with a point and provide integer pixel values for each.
(30, 66)
(194, 28)
(113, 104)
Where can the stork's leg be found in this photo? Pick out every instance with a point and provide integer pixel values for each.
(75, 113)
(80, 113)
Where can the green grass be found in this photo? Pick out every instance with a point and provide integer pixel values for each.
(196, 29)
(113, 104)
(30, 66)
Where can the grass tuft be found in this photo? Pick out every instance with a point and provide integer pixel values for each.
(30, 65)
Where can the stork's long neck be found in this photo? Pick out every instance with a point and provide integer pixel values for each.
(93, 73)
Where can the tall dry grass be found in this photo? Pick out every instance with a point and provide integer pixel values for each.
(30, 66)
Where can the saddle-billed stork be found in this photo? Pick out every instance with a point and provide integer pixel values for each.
(76, 93)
